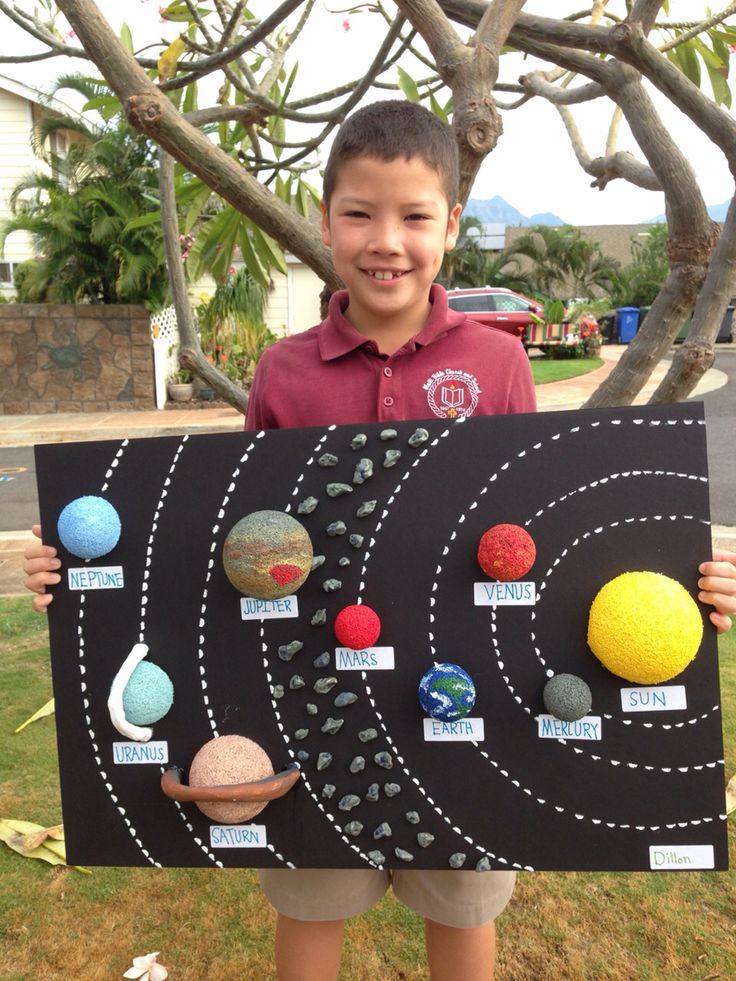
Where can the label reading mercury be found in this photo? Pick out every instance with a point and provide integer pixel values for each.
(370, 659)
(238, 836)
(153, 752)
(263, 609)
(460, 731)
(102, 577)
(550, 727)
(504, 593)
(681, 857)
(673, 698)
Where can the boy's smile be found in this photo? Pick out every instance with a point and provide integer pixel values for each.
(388, 227)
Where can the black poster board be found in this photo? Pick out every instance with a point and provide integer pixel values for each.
(601, 492)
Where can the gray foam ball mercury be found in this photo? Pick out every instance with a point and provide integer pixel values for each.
(567, 697)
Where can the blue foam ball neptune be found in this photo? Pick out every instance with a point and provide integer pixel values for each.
(89, 527)
(446, 692)
(148, 696)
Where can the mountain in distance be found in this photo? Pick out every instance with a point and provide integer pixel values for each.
(496, 211)
(716, 211)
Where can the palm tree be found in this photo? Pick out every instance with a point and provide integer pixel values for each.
(564, 262)
(470, 265)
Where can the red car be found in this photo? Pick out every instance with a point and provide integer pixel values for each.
(496, 307)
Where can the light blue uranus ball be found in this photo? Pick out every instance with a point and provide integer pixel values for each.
(446, 692)
(89, 527)
(148, 696)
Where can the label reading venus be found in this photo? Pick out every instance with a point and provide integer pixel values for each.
(504, 593)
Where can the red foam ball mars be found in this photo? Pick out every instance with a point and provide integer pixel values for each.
(357, 627)
(506, 552)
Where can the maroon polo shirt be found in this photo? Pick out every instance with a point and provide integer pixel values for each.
(334, 374)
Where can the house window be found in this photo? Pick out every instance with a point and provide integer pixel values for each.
(6, 273)
(58, 146)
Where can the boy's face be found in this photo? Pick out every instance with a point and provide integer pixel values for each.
(388, 226)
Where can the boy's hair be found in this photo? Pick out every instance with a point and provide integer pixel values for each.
(391, 129)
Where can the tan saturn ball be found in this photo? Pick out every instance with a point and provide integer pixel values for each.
(229, 760)
(267, 555)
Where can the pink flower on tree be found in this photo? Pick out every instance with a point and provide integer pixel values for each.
(346, 25)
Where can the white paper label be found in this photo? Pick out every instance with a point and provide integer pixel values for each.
(673, 698)
(681, 857)
(461, 731)
(370, 659)
(262, 609)
(238, 836)
(153, 752)
(550, 727)
(100, 577)
(504, 593)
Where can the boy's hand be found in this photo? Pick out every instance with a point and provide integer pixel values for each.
(718, 587)
(40, 566)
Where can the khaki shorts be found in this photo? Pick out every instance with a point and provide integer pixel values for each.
(453, 898)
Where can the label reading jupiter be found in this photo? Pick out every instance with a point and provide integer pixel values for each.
(460, 731)
(238, 836)
(268, 609)
(504, 593)
(369, 659)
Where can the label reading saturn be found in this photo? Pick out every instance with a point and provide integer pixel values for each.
(238, 836)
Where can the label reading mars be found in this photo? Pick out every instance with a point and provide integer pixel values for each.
(504, 593)
(273, 609)
(370, 659)
(153, 752)
(460, 731)
(550, 727)
(681, 857)
(238, 836)
(672, 698)
(102, 577)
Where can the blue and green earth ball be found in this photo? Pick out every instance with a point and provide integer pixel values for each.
(446, 692)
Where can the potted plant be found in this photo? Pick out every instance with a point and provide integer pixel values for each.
(180, 386)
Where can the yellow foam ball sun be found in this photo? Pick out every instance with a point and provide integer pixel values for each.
(644, 627)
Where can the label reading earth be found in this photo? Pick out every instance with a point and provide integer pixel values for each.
(504, 593)
(268, 609)
(460, 731)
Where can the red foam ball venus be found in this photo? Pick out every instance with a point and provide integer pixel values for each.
(506, 552)
(357, 627)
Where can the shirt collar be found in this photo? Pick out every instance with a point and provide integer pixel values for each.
(337, 336)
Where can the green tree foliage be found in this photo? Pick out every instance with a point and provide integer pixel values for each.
(639, 283)
(470, 265)
(564, 262)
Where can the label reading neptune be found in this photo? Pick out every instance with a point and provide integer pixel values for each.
(452, 393)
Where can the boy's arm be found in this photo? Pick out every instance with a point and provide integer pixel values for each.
(717, 586)
(41, 566)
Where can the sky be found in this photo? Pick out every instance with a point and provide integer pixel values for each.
(533, 167)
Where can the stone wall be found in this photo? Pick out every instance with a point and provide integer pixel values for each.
(81, 358)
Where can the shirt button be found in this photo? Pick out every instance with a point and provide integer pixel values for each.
(388, 401)
(387, 372)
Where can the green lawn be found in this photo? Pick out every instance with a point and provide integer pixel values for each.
(60, 924)
(545, 370)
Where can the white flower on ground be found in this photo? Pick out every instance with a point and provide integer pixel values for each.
(147, 968)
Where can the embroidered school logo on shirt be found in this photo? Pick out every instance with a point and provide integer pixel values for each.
(452, 393)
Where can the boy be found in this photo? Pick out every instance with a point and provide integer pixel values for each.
(391, 349)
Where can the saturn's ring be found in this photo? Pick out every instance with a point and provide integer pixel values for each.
(269, 788)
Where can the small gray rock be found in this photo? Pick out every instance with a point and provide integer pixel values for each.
(365, 509)
(324, 685)
(348, 802)
(353, 828)
(301, 733)
(357, 764)
(324, 760)
(322, 660)
(328, 790)
(418, 437)
(345, 698)
(377, 857)
(296, 681)
(331, 726)
(302, 756)
(387, 434)
(356, 540)
(363, 470)
(287, 651)
(403, 855)
(383, 831)
(372, 793)
(307, 505)
(365, 735)
(327, 460)
(358, 441)
(391, 458)
(384, 759)
(391, 789)
(338, 490)
(277, 691)
(319, 618)
(317, 561)
(412, 817)
(336, 528)
(424, 839)
(332, 585)
(344, 561)
(457, 860)
(312, 708)
(484, 865)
